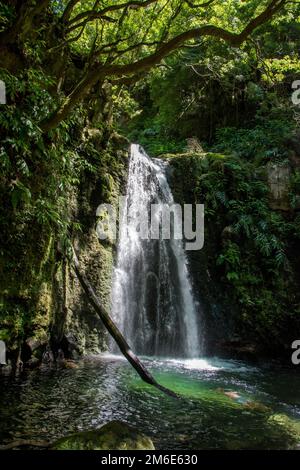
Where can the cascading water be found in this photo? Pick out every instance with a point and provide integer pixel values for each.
(152, 298)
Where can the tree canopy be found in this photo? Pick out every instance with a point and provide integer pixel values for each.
(117, 39)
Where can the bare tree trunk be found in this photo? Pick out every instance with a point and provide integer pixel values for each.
(115, 332)
(25, 21)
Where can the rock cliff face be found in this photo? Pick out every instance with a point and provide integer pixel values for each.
(76, 330)
(52, 181)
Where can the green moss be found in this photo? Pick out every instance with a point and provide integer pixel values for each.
(249, 249)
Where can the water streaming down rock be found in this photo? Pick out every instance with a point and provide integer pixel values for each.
(152, 298)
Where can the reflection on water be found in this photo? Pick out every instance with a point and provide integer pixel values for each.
(225, 404)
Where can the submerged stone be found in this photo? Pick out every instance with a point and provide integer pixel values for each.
(290, 426)
(115, 435)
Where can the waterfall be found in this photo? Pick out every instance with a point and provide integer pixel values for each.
(152, 298)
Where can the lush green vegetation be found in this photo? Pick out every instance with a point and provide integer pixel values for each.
(77, 73)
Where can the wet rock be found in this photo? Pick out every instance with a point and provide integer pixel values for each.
(48, 357)
(236, 348)
(112, 436)
(33, 350)
(74, 344)
(34, 343)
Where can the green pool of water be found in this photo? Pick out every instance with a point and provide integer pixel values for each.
(223, 404)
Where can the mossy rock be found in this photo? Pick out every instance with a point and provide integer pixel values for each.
(112, 436)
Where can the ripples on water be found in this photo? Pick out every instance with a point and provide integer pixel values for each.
(49, 403)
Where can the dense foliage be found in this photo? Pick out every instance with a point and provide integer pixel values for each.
(202, 90)
(160, 71)
(237, 102)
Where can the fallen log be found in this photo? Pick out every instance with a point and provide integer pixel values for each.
(115, 332)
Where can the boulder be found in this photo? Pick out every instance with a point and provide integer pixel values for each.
(112, 436)
(279, 183)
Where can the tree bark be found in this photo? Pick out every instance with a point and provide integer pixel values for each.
(115, 332)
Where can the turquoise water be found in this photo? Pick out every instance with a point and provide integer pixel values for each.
(224, 404)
